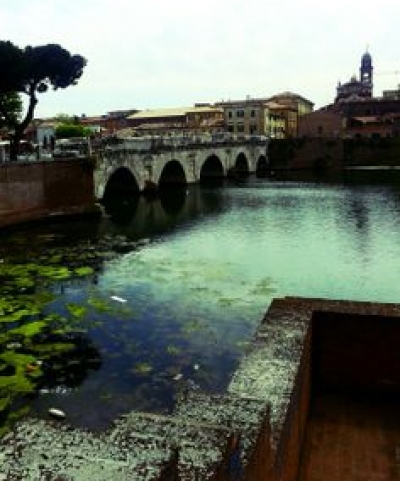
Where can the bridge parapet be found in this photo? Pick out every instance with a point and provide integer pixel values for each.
(181, 142)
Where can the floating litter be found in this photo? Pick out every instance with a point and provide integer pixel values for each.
(177, 377)
(119, 299)
(57, 413)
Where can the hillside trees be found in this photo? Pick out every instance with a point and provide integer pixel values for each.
(31, 71)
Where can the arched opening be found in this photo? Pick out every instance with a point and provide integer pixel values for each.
(212, 171)
(263, 168)
(172, 175)
(241, 166)
(172, 187)
(121, 195)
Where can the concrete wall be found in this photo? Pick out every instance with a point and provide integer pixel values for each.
(34, 190)
(304, 346)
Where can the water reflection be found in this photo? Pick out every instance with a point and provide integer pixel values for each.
(173, 200)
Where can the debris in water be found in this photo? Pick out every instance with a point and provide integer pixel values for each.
(57, 413)
(119, 299)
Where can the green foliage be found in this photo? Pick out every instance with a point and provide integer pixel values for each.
(10, 109)
(69, 130)
(32, 71)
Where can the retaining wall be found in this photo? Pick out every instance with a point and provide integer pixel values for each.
(35, 190)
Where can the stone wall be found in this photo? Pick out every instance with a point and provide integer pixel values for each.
(34, 190)
(327, 153)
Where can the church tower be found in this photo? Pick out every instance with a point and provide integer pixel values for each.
(366, 70)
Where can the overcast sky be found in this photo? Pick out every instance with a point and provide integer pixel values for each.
(170, 53)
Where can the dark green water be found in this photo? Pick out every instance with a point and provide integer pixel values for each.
(174, 290)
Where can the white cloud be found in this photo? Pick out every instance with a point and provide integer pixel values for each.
(147, 53)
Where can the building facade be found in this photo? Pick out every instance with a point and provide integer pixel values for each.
(245, 117)
(197, 119)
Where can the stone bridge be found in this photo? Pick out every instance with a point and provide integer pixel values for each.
(150, 163)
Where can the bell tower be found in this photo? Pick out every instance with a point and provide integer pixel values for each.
(366, 70)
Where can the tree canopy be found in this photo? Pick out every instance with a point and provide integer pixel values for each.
(12, 104)
(31, 71)
(68, 130)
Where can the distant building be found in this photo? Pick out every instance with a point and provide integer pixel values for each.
(392, 94)
(117, 119)
(245, 117)
(295, 101)
(358, 88)
(282, 120)
(355, 112)
(198, 119)
(321, 123)
(41, 132)
(275, 116)
(96, 124)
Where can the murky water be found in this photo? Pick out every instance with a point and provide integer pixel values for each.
(175, 290)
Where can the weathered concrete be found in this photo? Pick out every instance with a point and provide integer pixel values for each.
(254, 432)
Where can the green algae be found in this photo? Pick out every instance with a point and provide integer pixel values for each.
(30, 333)
(263, 287)
(142, 368)
(99, 304)
(55, 273)
(4, 403)
(13, 416)
(83, 271)
(226, 301)
(45, 350)
(173, 350)
(30, 329)
(76, 310)
(192, 326)
(19, 382)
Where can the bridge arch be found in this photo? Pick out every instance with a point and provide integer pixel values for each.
(121, 192)
(172, 174)
(262, 167)
(241, 168)
(212, 169)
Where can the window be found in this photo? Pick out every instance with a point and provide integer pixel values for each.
(240, 113)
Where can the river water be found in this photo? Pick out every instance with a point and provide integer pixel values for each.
(177, 288)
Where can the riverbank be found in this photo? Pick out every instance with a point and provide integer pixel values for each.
(12, 219)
